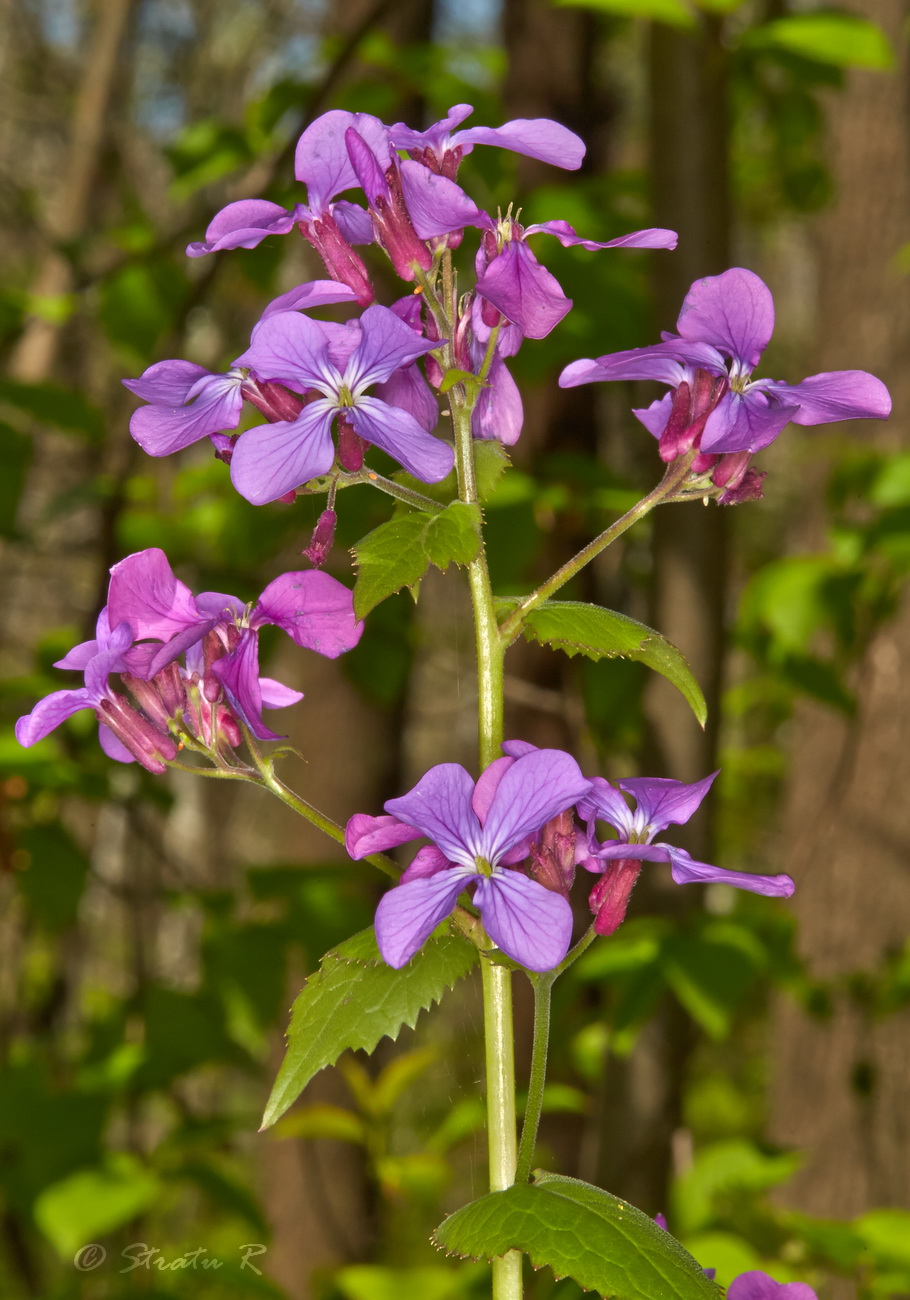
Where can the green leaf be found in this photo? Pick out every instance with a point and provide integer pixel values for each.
(93, 1202)
(675, 12)
(490, 460)
(397, 554)
(577, 628)
(355, 999)
(322, 1120)
(453, 377)
(53, 404)
(603, 1243)
(840, 39)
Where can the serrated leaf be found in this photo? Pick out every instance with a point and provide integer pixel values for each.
(397, 554)
(355, 999)
(577, 628)
(603, 1243)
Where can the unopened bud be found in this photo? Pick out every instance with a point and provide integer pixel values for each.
(274, 400)
(341, 262)
(609, 898)
(351, 447)
(152, 748)
(323, 536)
(552, 856)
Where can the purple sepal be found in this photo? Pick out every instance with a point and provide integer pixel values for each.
(244, 225)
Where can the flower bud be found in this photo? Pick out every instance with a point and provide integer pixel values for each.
(552, 856)
(273, 400)
(341, 262)
(610, 896)
(149, 746)
(322, 539)
(351, 446)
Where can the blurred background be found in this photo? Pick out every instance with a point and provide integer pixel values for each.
(740, 1065)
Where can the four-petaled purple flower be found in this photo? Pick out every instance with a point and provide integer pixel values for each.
(274, 459)
(479, 831)
(313, 608)
(724, 326)
(441, 148)
(660, 802)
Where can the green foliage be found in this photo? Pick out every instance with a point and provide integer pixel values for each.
(674, 12)
(355, 999)
(398, 554)
(841, 39)
(581, 1232)
(55, 874)
(61, 408)
(16, 455)
(92, 1202)
(577, 628)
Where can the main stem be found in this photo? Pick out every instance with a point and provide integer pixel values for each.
(499, 1036)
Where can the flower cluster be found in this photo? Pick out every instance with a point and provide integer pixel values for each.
(151, 620)
(512, 839)
(306, 375)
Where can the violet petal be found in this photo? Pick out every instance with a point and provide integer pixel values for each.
(834, 395)
(273, 459)
(314, 609)
(534, 789)
(408, 914)
(439, 805)
(685, 870)
(397, 432)
(365, 834)
(733, 311)
(532, 925)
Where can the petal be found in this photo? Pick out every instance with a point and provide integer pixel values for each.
(49, 713)
(435, 204)
(215, 406)
(654, 237)
(744, 422)
(499, 413)
(275, 695)
(79, 656)
(524, 291)
(685, 870)
(398, 433)
(534, 789)
(662, 801)
(655, 416)
(666, 362)
(834, 395)
(537, 137)
(238, 673)
(145, 593)
(518, 748)
(440, 807)
(408, 914)
(387, 342)
(365, 834)
(604, 802)
(756, 1285)
(532, 925)
(407, 389)
(487, 786)
(733, 311)
(315, 609)
(434, 137)
(293, 347)
(273, 459)
(166, 383)
(354, 222)
(244, 225)
(113, 746)
(316, 293)
(428, 861)
(321, 159)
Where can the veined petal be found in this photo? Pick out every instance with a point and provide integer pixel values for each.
(386, 343)
(166, 383)
(524, 291)
(662, 801)
(315, 609)
(531, 924)
(435, 204)
(667, 362)
(434, 137)
(499, 412)
(744, 422)
(397, 432)
(316, 293)
(833, 395)
(49, 713)
(733, 311)
(685, 870)
(291, 347)
(755, 1285)
(407, 389)
(215, 407)
(145, 594)
(487, 785)
(655, 416)
(408, 914)
(537, 137)
(440, 807)
(244, 225)
(605, 803)
(321, 159)
(365, 834)
(654, 237)
(534, 789)
(273, 459)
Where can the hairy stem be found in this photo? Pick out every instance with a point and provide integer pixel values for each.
(675, 475)
(543, 988)
(397, 490)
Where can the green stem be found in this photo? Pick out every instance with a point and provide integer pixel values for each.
(543, 988)
(393, 489)
(676, 474)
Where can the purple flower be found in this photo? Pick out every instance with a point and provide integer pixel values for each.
(478, 832)
(274, 459)
(660, 802)
(441, 149)
(313, 608)
(724, 326)
(756, 1285)
(124, 734)
(511, 280)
